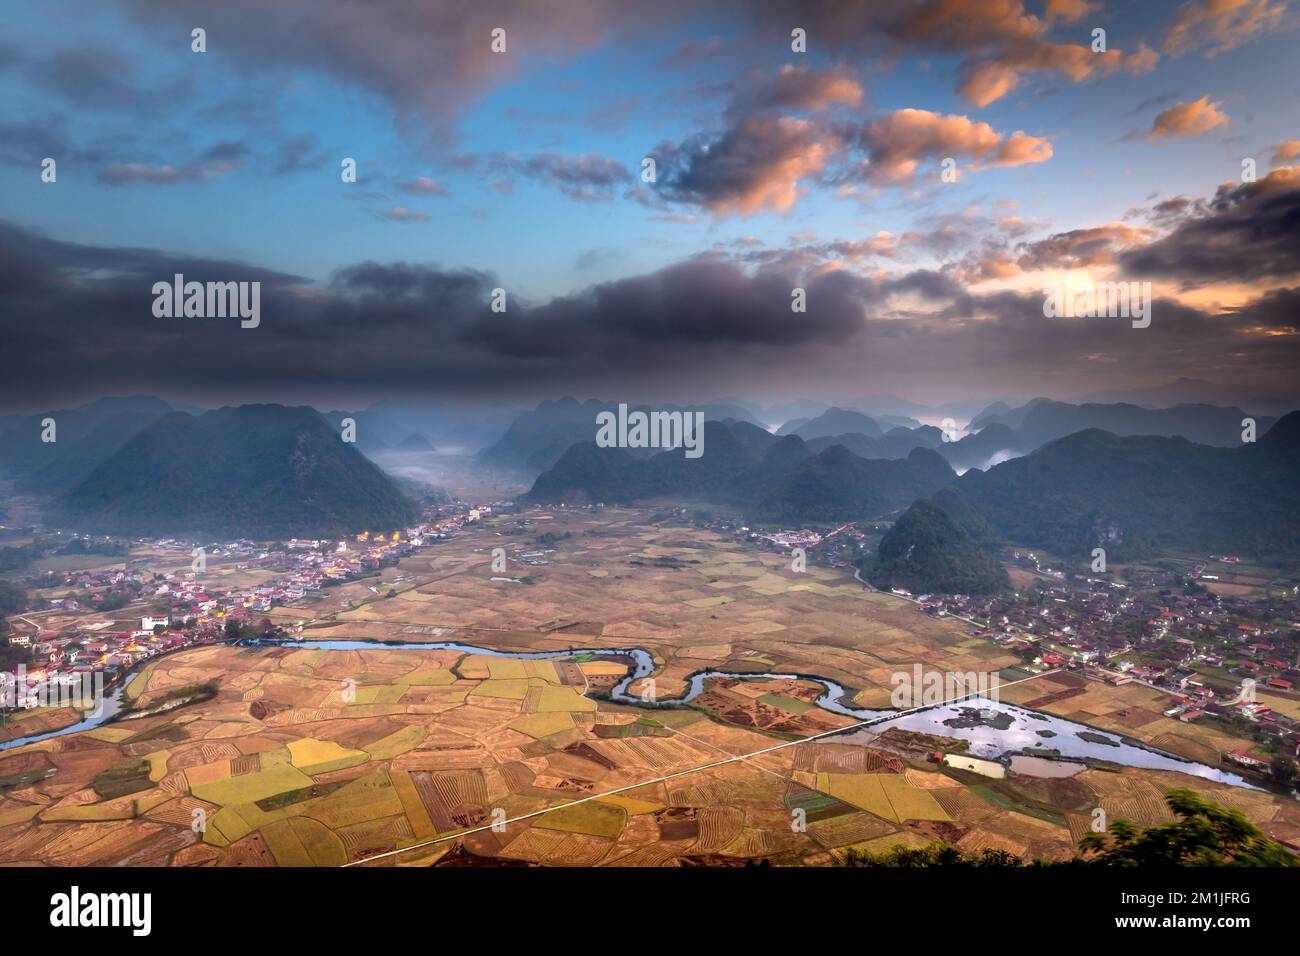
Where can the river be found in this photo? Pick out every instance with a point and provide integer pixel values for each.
(972, 720)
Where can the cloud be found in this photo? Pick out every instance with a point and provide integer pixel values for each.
(984, 82)
(986, 266)
(361, 325)
(423, 186)
(758, 160)
(95, 76)
(215, 162)
(755, 165)
(1221, 25)
(585, 177)
(798, 89)
(899, 142)
(78, 323)
(1166, 212)
(761, 157)
(298, 153)
(1068, 11)
(1188, 119)
(998, 42)
(1083, 248)
(428, 60)
(1246, 233)
(402, 214)
(1286, 151)
(700, 303)
(1276, 312)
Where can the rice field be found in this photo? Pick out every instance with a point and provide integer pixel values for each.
(311, 757)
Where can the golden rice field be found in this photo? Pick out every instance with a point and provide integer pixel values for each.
(311, 757)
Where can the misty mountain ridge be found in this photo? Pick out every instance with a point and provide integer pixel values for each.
(83, 435)
(536, 440)
(1133, 496)
(833, 421)
(255, 471)
(769, 477)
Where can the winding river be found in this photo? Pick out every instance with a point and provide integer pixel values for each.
(1022, 733)
(991, 727)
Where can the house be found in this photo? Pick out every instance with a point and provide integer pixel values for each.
(1244, 758)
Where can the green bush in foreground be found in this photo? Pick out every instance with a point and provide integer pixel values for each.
(1205, 834)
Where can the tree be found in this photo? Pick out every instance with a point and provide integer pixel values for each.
(933, 854)
(1205, 834)
(12, 598)
(1284, 769)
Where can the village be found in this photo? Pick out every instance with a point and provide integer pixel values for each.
(184, 609)
(1212, 654)
(1166, 628)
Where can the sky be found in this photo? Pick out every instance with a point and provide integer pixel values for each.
(924, 170)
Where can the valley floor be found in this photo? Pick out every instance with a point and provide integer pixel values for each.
(409, 757)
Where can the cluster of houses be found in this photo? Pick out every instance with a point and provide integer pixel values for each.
(1213, 655)
(76, 657)
(198, 612)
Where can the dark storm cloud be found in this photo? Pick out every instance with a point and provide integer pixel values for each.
(80, 317)
(78, 324)
(388, 290)
(1275, 312)
(700, 304)
(1247, 232)
(43, 262)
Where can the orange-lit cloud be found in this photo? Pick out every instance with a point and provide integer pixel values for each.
(798, 89)
(1068, 11)
(899, 142)
(1189, 119)
(753, 166)
(1221, 25)
(1286, 151)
